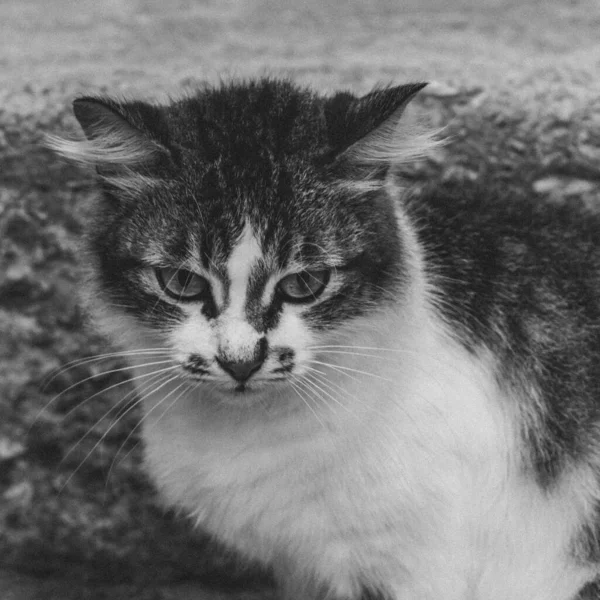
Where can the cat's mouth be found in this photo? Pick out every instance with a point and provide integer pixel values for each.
(249, 389)
(199, 372)
(252, 386)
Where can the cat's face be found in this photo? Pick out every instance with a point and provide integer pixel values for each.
(228, 234)
(249, 310)
(242, 285)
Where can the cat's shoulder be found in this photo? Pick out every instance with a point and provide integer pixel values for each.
(496, 211)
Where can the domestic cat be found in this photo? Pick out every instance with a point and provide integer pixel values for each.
(378, 393)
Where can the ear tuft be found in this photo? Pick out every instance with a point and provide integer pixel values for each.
(113, 140)
(371, 130)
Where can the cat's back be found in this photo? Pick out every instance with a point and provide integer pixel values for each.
(507, 229)
(501, 247)
(519, 275)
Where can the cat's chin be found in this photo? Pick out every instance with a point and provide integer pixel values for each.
(253, 392)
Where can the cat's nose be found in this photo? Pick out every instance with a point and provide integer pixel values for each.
(242, 370)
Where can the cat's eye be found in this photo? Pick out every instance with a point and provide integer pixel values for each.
(182, 284)
(304, 286)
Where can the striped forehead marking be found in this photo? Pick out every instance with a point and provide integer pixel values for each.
(245, 255)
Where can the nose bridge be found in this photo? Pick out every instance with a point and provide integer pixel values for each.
(239, 342)
(237, 338)
(242, 350)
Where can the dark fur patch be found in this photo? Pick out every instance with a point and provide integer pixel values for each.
(369, 593)
(521, 277)
(590, 591)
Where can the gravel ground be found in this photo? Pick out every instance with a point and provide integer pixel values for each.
(517, 86)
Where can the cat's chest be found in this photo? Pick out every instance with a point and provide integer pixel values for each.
(201, 460)
(250, 491)
(333, 504)
(320, 484)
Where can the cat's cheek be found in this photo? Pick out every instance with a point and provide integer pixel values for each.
(292, 332)
(194, 336)
(120, 327)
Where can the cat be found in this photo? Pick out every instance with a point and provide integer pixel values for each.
(378, 393)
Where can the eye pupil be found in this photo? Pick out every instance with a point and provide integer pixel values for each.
(183, 278)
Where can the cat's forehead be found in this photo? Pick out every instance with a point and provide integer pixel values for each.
(245, 258)
(306, 228)
(264, 245)
(302, 226)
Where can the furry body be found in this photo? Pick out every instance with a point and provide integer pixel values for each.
(423, 426)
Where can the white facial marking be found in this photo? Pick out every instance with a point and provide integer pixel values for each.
(245, 255)
(236, 336)
(269, 291)
(293, 333)
(195, 338)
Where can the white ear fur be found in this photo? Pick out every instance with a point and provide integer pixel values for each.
(120, 154)
(111, 145)
(115, 147)
(398, 141)
(131, 184)
(112, 138)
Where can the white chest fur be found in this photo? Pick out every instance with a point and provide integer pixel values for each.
(413, 481)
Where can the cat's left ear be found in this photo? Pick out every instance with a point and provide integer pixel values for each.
(371, 129)
(120, 136)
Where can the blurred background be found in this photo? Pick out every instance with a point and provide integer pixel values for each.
(516, 85)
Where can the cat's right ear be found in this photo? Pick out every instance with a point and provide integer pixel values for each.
(373, 130)
(120, 137)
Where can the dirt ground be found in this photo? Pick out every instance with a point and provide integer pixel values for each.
(516, 84)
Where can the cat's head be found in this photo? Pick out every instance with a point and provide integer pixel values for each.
(244, 226)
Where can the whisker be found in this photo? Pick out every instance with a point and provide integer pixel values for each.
(324, 377)
(136, 403)
(321, 375)
(97, 357)
(95, 375)
(157, 375)
(186, 386)
(296, 388)
(413, 365)
(352, 377)
(313, 389)
(113, 386)
(102, 418)
(342, 369)
(352, 347)
(361, 354)
(410, 354)
(154, 377)
(145, 416)
(323, 386)
(406, 412)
